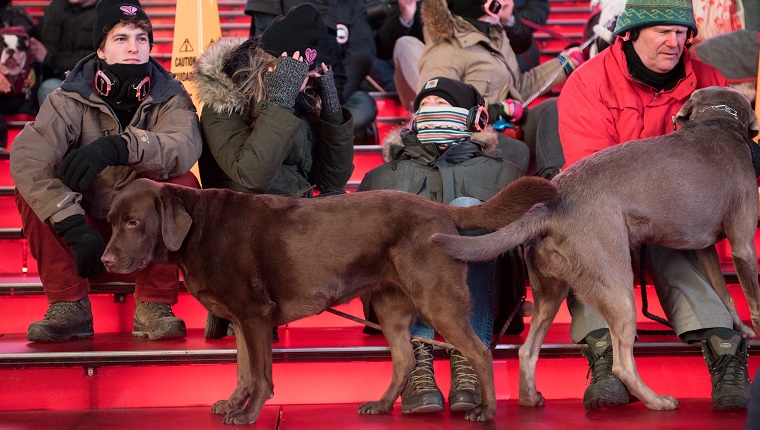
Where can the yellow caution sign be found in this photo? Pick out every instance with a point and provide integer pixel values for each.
(196, 26)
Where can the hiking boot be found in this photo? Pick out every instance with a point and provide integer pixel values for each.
(727, 361)
(63, 321)
(465, 390)
(157, 321)
(421, 394)
(605, 388)
(217, 328)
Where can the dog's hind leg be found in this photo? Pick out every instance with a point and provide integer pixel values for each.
(448, 311)
(395, 313)
(608, 286)
(744, 256)
(710, 262)
(548, 294)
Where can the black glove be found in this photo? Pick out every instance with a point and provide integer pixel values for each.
(85, 242)
(81, 166)
(284, 84)
(329, 94)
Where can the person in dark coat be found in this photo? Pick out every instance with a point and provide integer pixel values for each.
(449, 155)
(272, 121)
(65, 31)
(348, 46)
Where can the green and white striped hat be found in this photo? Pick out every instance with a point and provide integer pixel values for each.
(648, 13)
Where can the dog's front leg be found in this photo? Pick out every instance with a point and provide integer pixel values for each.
(548, 295)
(254, 360)
(395, 317)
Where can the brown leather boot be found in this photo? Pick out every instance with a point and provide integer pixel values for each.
(421, 393)
(465, 389)
(157, 321)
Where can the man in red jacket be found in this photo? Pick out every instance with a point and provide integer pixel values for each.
(633, 90)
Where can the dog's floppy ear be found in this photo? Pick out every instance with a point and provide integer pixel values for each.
(683, 115)
(174, 219)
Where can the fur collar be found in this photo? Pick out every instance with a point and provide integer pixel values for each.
(441, 25)
(215, 89)
(488, 137)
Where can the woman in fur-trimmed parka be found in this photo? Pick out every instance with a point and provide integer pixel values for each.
(269, 124)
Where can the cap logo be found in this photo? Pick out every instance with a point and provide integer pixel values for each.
(431, 83)
(341, 34)
(311, 55)
(129, 10)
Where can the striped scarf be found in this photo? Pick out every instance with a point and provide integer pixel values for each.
(442, 126)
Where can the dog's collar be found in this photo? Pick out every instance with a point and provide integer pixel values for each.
(724, 108)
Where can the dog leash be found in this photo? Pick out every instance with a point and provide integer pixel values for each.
(377, 327)
(645, 301)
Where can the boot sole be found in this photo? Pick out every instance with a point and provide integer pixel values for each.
(605, 399)
(37, 336)
(177, 331)
(426, 409)
(729, 403)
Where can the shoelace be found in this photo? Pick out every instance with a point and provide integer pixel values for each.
(58, 311)
(600, 367)
(422, 378)
(729, 370)
(464, 380)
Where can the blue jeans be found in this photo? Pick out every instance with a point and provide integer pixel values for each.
(480, 280)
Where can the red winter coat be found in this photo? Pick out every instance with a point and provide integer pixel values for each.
(601, 105)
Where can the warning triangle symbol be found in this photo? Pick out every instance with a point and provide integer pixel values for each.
(186, 46)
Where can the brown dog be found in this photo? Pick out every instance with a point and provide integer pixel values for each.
(684, 190)
(262, 261)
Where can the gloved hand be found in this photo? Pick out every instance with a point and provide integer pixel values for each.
(85, 242)
(328, 92)
(284, 83)
(81, 166)
(571, 58)
(509, 110)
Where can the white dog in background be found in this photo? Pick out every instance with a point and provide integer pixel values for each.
(15, 50)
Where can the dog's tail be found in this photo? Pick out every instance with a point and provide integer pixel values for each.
(487, 247)
(506, 206)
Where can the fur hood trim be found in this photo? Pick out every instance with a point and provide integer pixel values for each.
(440, 24)
(215, 89)
(488, 137)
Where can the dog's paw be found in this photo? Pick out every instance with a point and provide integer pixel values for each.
(663, 403)
(480, 413)
(221, 407)
(239, 417)
(536, 399)
(374, 408)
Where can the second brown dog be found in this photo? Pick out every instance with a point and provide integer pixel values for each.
(684, 190)
(263, 261)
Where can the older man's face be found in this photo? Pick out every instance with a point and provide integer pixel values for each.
(660, 47)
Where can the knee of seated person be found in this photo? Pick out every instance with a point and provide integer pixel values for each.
(187, 180)
(465, 201)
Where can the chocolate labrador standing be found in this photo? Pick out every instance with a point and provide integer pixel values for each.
(263, 260)
(684, 190)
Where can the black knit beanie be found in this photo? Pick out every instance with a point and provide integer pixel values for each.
(111, 12)
(457, 93)
(300, 29)
(467, 8)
